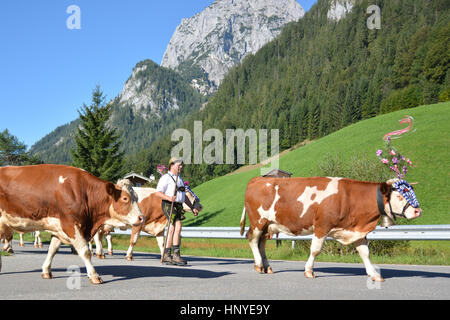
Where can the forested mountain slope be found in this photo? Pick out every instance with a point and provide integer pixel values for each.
(321, 75)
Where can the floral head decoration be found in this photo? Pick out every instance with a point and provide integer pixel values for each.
(399, 163)
(390, 156)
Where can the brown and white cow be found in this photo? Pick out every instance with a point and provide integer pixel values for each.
(155, 220)
(344, 209)
(68, 202)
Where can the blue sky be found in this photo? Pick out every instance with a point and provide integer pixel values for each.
(48, 71)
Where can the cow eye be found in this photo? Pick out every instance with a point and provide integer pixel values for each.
(125, 199)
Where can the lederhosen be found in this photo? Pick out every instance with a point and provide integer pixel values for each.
(178, 212)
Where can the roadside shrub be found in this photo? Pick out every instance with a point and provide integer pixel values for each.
(358, 167)
(378, 247)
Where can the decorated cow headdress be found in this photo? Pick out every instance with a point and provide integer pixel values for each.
(398, 163)
(407, 192)
(395, 161)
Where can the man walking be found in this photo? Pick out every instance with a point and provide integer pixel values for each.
(166, 191)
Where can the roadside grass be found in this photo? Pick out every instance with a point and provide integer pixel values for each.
(3, 253)
(415, 252)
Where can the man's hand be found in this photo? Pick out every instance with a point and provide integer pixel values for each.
(195, 211)
(165, 197)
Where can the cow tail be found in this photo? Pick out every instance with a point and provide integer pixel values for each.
(243, 221)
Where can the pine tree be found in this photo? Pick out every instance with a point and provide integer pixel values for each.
(13, 152)
(98, 146)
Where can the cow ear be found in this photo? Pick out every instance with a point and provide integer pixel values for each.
(385, 188)
(110, 187)
(112, 190)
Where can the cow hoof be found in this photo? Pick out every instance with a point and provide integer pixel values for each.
(377, 278)
(110, 253)
(47, 275)
(95, 280)
(129, 258)
(269, 270)
(259, 269)
(309, 274)
(21, 245)
(40, 245)
(101, 256)
(36, 246)
(10, 251)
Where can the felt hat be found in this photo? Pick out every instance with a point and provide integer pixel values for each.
(174, 160)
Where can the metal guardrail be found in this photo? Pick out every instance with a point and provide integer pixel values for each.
(404, 232)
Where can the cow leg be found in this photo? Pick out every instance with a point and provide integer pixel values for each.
(254, 236)
(316, 246)
(363, 250)
(91, 250)
(37, 239)
(262, 251)
(38, 235)
(21, 243)
(108, 240)
(55, 243)
(81, 246)
(133, 239)
(160, 240)
(6, 238)
(99, 245)
(7, 244)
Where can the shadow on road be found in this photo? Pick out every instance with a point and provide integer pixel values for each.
(385, 272)
(204, 260)
(135, 272)
(129, 272)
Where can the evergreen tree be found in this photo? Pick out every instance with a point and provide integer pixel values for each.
(13, 152)
(98, 146)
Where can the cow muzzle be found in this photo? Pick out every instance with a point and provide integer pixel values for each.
(412, 213)
(417, 213)
(136, 216)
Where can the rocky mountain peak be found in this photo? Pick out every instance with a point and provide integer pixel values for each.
(339, 9)
(205, 46)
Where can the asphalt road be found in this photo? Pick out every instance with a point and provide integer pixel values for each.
(211, 279)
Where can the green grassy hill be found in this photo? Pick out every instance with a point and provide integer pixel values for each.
(428, 148)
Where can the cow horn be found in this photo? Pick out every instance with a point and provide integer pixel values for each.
(414, 183)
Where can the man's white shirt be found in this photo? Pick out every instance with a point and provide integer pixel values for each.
(166, 185)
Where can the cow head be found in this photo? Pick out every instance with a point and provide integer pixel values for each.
(194, 200)
(401, 199)
(124, 206)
